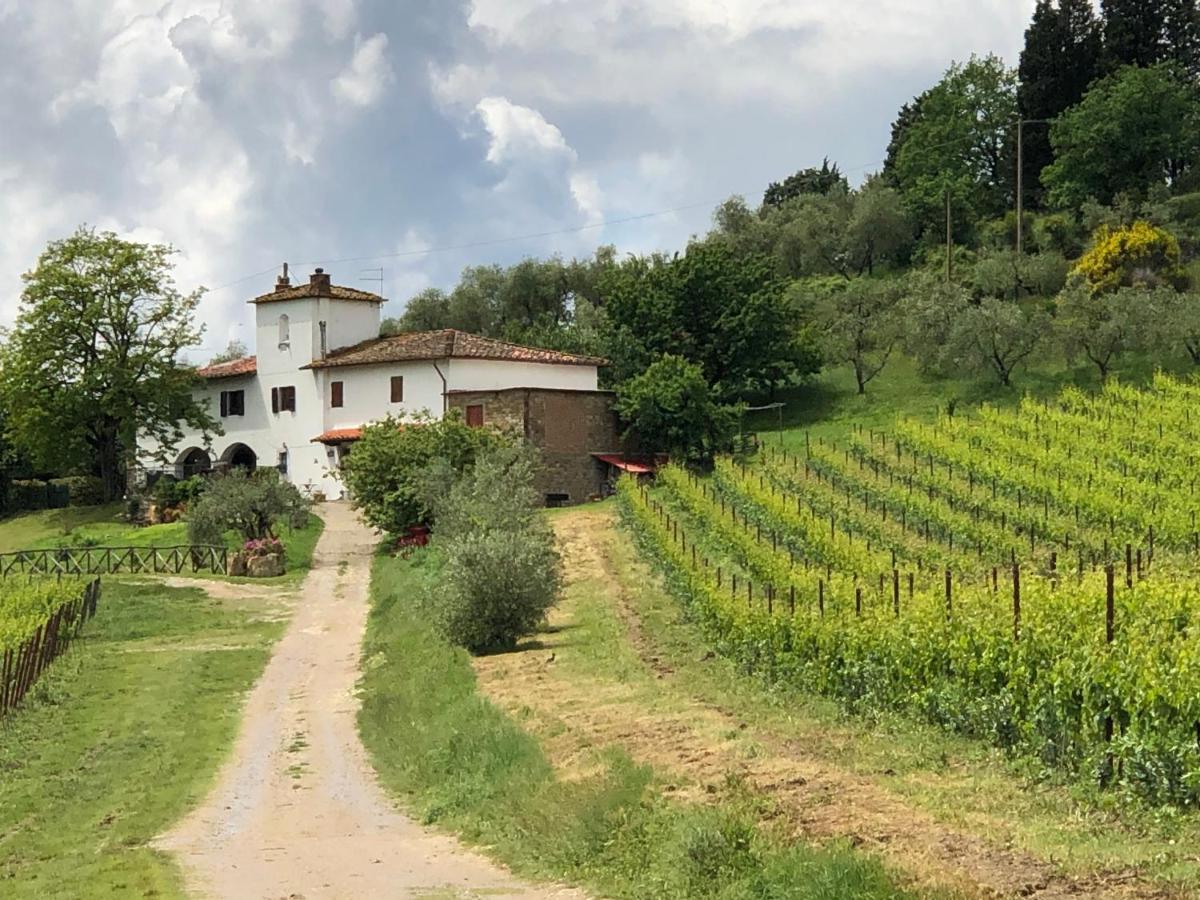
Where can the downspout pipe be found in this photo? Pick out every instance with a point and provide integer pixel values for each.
(445, 389)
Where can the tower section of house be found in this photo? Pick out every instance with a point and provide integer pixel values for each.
(321, 372)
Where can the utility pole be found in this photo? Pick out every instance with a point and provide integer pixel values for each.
(1021, 123)
(949, 241)
(1020, 181)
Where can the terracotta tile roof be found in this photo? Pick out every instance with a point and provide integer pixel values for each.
(338, 436)
(318, 285)
(245, 366)
(445, 344)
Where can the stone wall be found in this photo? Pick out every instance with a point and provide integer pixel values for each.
(567, 426)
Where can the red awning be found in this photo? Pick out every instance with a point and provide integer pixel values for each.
(338, 436)
(625, 465)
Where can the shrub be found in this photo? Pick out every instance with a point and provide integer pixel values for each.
(498, 587)
(502, 572)
(384, 473)
(251, 503)
(1140, 255)
(82, 490)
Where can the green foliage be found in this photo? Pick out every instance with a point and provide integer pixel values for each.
(531, 296)
(1148, 32)
(1007, 275)
(26, 605)
(82, 490)
(813, 180)
(468, 767)
(1061, 57)
(1135, 129)
(1139, 255)
(1102, 326)
(502, 571)
(252, 504)
(670, 408)
(170, 491)
(960, 142)
(859, 324)
(1174, 321)
(92, 360)
(714, 307)
(384, 475)
(235, 349)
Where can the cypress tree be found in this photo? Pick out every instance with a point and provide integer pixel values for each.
(1147, 32)
(1060, 59)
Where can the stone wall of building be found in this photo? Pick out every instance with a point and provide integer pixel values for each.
(567, 426)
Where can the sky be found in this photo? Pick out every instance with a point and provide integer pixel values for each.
(423, 136)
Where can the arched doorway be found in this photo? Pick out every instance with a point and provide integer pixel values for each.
(193, 461)
(239, 456)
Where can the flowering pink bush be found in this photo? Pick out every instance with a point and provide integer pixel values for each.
(263, 547)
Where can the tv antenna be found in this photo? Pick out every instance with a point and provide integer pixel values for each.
(376, 276)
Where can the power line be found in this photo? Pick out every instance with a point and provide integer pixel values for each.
(577, 229)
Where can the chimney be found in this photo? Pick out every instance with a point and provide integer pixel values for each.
(319, 282)
(282, 283)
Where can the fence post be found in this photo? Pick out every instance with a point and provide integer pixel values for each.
(1109, 623)
(857, 601)
(792, 600)
(821, 597)
(896, 591)
(949, 593)
(1016, 573)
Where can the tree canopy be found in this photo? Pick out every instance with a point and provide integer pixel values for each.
(92, 361)
(959, 140)
(1061, 57)
(815, 180)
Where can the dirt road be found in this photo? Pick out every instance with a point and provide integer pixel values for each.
(296, 811)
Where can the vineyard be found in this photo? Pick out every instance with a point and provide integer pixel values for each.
(1030, 577)
(38, 621)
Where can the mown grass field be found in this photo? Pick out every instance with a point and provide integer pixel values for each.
(459, 762)
(121, 737)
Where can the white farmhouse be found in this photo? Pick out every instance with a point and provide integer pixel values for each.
(321, 372)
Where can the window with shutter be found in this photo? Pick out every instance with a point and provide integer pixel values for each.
(274, 399)
(224, 404)
(335, 393)
(287, 399)
(475, 415)
(237, 403)
(397, 388)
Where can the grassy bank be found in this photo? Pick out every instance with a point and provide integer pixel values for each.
(121, 737)
(829, 404)
(457, 761)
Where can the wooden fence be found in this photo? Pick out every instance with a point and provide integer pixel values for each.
(114, 560)
(21, 666)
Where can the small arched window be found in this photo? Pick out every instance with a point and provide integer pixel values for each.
(284, 333)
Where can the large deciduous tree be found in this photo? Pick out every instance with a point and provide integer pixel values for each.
(1060, 59)
(961, 142)
(92, 361)
(670, 408)
(713, 306)
(1135, 129)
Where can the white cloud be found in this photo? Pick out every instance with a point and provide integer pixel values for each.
(362, 82)
(517, 131)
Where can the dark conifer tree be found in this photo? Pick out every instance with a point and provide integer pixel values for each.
(1060, 59)
(1146, 32)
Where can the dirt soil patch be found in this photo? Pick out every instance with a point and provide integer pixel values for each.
(697, 747)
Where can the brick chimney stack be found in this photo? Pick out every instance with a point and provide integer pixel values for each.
(282, 283)
(319, 282)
